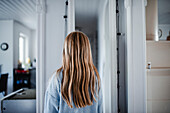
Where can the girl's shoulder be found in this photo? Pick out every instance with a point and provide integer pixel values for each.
(54, 82)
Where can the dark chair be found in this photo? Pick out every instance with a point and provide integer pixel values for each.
(3, 83)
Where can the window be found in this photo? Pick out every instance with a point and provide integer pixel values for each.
(22, 49)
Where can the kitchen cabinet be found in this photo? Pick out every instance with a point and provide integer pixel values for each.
(158, 77)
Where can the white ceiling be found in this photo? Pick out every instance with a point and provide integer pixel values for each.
(23, 11)
(164, 11)
(86, 14)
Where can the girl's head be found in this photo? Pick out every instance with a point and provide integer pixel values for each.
(80, 77)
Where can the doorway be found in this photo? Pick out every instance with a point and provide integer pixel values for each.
(97, 20)
(18, 29)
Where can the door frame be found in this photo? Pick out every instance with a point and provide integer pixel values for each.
(135, 56)
(40, 69)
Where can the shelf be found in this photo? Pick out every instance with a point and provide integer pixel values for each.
(152, 41)
(159, 68)
(158, 99)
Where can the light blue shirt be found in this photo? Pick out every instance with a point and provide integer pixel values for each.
(54, 102)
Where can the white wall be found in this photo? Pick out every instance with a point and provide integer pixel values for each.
(6, 57)
(163, 12)
(71, 17)
(165, 30)
(32, 45)
(54, 36)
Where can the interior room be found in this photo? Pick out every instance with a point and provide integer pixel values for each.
(157, 56)
(18, 56)
(130, 44)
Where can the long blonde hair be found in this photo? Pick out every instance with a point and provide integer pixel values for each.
(79, 73)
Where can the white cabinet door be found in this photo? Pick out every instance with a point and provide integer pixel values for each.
(158, 91)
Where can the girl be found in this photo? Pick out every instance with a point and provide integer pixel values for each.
(75, 87)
